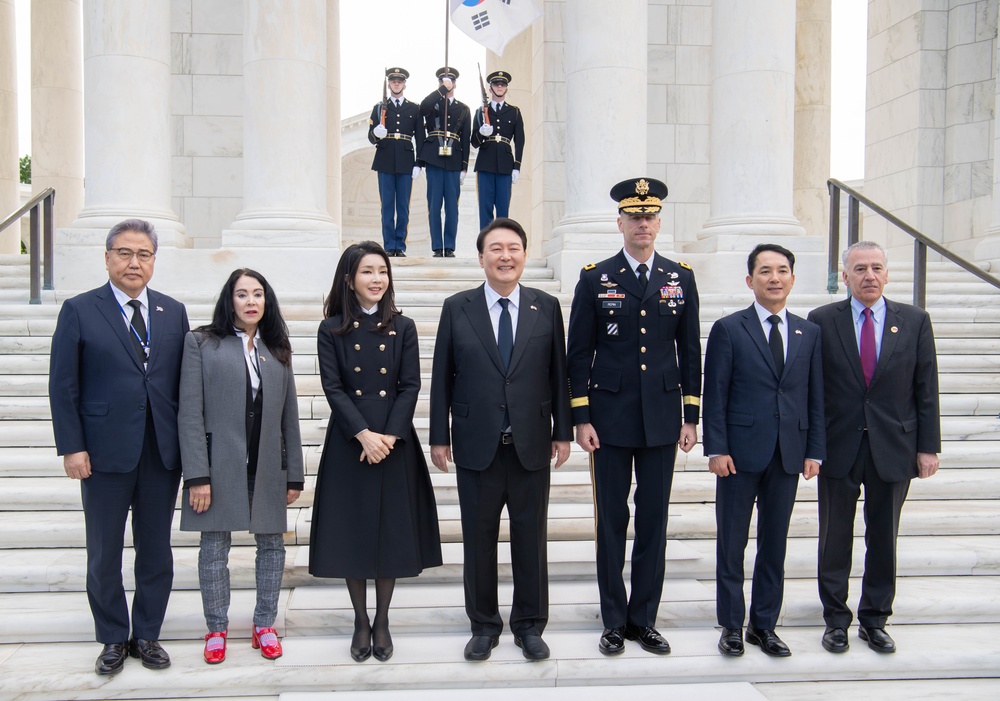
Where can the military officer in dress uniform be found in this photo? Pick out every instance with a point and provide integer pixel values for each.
(394, 123)
(500, 140)
(634, 362)
(445, 154)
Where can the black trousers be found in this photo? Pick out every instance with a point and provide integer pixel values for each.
(150, 491)
(482, 496)
(612, 478)
(838, 501)
(773, 490)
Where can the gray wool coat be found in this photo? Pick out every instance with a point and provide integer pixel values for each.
(211, 421)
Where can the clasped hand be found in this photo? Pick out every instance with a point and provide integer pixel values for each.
(375, 447)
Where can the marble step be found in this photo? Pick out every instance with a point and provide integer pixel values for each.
(38, 433)
(567, 486)
(957, 661)
(439, 607)
(571, 522)
(64, 569)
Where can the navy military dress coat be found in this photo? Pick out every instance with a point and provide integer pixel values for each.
(372, 521)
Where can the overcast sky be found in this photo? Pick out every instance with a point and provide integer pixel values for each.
(415, 40)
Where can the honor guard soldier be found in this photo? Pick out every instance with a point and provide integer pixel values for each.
(445, 154)
(634, 362)
(498, 133)
(394, 123)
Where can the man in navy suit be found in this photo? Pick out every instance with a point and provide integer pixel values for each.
(113, 384)
(884, 429)
(500, 376)
(763, 427)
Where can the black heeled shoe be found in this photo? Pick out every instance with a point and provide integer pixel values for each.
(382, 652)
(361, 645)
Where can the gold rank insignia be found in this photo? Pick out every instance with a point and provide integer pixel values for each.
(641, 187)
(590, 266)
(683, 264)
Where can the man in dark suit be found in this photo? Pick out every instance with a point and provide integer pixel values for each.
(634, 361)
(113, 387)
(445, 156)
(500, 141)
(763, 427)
(883, 428)
(500, 373)
(394, 124)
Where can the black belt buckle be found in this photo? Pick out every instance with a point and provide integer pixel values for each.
(506, 439)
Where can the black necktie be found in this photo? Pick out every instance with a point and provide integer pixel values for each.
(643, 279)
(777, 348)
(505, 334)
(139, 329)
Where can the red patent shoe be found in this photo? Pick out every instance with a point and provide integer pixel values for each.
(214, 653)
(267, 640)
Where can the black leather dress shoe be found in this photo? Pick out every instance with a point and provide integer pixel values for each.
(438, 253)
(381, 644)
(480, 647)
(878, 639)
(731, 642)
(612, 641)
(768, 641)
(400, 254)
(649, 639)
(449, 253)
(112, 658)
(149, 651)
(835, 640)
(532, 647)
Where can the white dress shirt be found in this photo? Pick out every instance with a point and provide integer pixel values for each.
(495, 308)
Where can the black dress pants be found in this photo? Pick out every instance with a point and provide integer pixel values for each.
(838, 501)
(150, 491)
(482, 496)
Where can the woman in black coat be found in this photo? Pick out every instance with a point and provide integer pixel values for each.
(374, 515)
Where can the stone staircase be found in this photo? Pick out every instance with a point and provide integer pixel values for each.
(947, 610)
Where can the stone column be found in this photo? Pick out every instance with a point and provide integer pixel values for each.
(988, 249)
(605, 127)
(812, 115)
(126, 73)
(57, 104)
(753, 109)
(9, 171)
(284, 127)
(334, 175)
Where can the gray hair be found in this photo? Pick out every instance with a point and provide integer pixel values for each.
(863, 246)
(140, 226)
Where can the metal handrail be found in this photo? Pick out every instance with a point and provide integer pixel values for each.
(920, 242)
(39, 266)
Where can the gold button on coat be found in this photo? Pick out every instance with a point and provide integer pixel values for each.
(642, 312)
(643, 366)
(357, 369)
(357, 392)
(381, 393)
(357, 346)
(381, 347)
(383, 371)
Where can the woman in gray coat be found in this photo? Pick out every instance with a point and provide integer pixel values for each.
(241, 452)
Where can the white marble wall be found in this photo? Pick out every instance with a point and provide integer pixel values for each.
(930, 122)
(207, 115)
(9, 200)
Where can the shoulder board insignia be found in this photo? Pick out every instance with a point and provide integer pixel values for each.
(590, 266)
(370, 122)
(683, 264)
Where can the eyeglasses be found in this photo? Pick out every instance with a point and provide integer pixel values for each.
(125, 254)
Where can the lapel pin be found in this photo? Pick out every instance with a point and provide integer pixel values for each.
(392, 333)
(262, 358)
(159, 309)
(798, 332)
(894, 329)
(622, 270)
(534, 308)
(660, 270)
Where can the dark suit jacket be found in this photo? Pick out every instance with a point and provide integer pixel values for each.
(98, 389)
(634, 357)
(396, 155)
(432, 111)
(899, 409)
(468, 381)
(748, 409)
(497, 156)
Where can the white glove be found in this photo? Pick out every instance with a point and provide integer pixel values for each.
(416, 172)
(448, 84)
(486, 130)
(461, 178)
(514, 175)
(380, 131)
